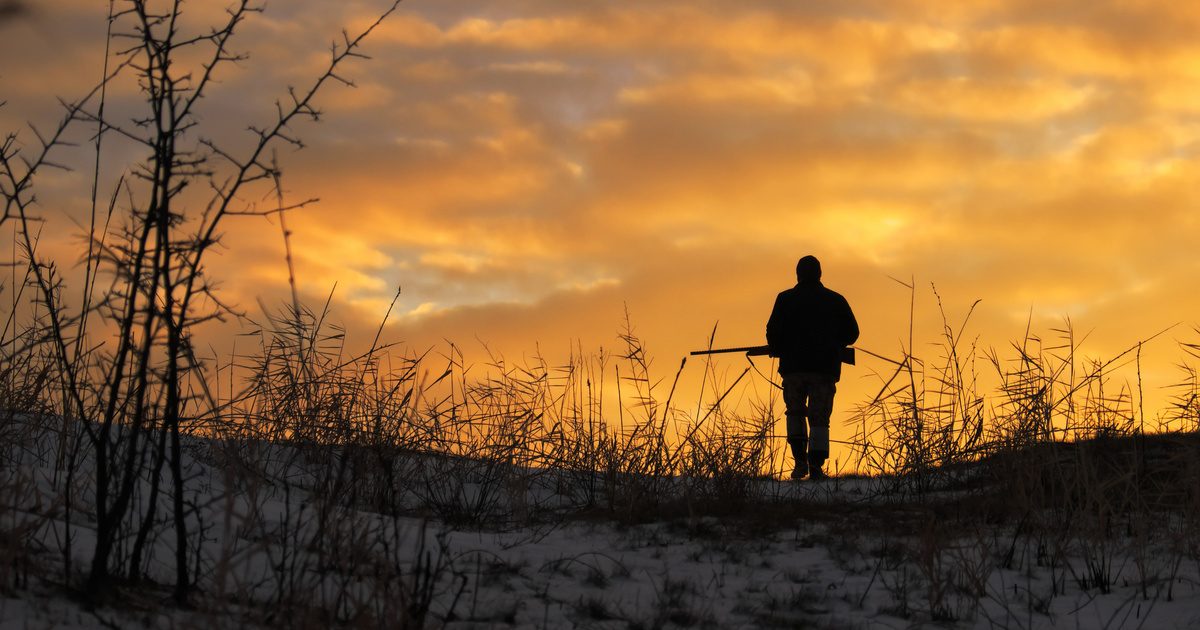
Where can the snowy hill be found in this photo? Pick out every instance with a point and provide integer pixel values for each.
(283, 542)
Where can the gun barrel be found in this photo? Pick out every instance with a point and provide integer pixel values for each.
(750, 350)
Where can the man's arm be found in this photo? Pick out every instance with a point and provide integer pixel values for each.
(775, 327)
(850, 324)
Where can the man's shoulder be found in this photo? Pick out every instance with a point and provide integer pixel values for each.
(831, 293)
(833, 298)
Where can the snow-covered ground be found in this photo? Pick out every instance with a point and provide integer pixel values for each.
(845, 553)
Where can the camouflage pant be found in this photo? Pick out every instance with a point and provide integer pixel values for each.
(809, 401)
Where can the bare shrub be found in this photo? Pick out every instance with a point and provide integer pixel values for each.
(134, 400)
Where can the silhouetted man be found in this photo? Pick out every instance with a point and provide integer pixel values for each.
(808, 330)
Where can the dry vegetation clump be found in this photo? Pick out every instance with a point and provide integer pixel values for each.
(1056, 474)
(932, 416)
(519, 443)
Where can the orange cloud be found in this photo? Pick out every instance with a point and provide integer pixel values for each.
(526, 171)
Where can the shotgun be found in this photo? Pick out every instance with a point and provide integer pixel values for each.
(758, 351)
(751, 351)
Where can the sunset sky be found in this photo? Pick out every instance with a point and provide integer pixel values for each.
(525, 170)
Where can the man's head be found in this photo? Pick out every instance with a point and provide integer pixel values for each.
(808, 269)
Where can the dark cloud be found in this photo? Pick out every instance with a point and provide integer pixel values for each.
(12, 10)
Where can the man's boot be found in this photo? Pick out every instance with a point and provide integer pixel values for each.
(815, 462)
(800, 455)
